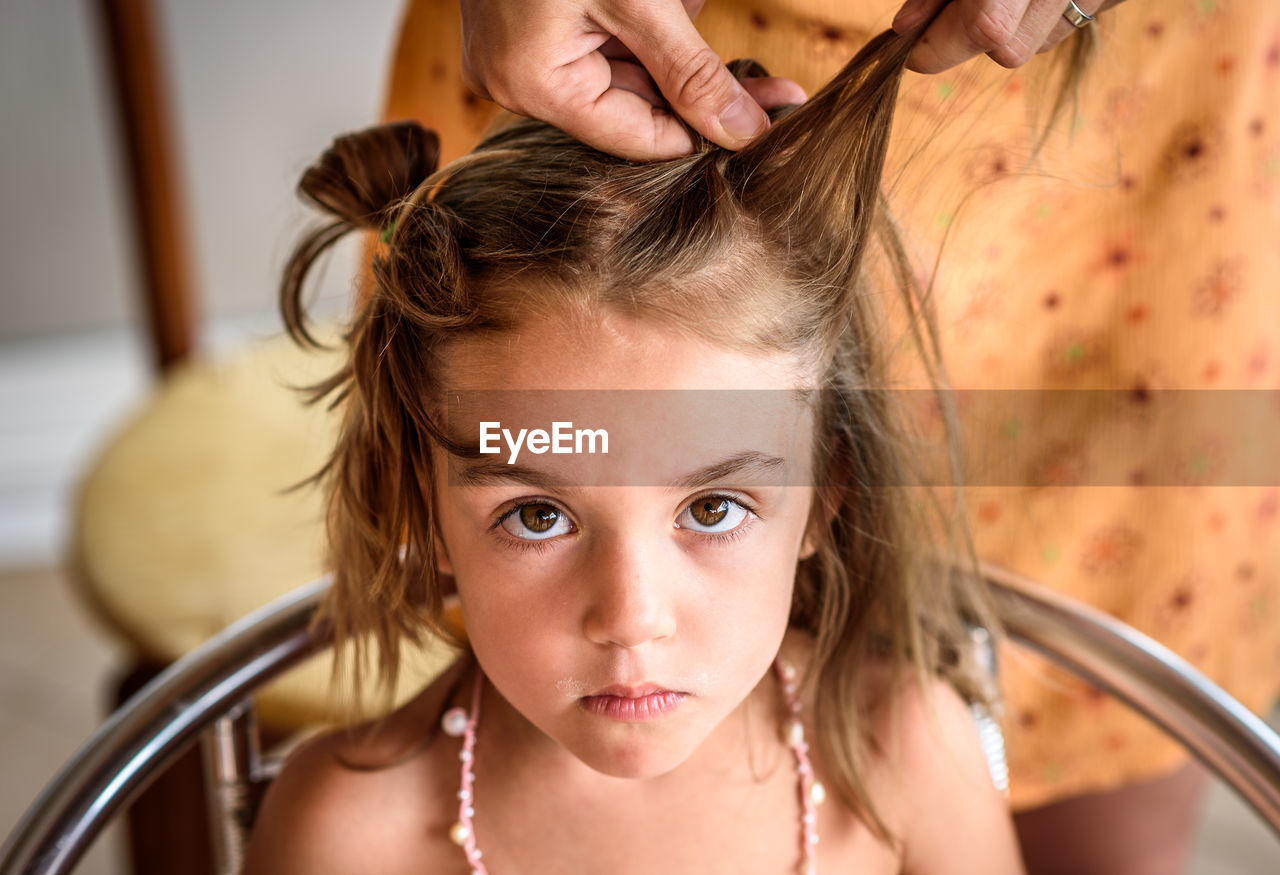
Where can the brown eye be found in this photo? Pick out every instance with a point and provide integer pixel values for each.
(537, 521)
(712, 514)
(539, 517)
(709, 511)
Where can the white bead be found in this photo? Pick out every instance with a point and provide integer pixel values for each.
(795, 733)
(818, 793)
(464, 755)
(464, 794)
(471, 812)
(459, 834)
(810, 817)
(788, 671)
(454, 722)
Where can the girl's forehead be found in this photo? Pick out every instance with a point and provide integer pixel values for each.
(610, 351)
(623, 402)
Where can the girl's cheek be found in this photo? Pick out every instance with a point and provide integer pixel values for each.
(511, 581)
(760, 544)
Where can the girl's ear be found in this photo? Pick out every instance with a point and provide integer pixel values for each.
(826, 504)
(440, 556)
(444, 567)
(808, 547)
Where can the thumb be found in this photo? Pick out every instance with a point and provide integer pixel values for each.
(699, 87)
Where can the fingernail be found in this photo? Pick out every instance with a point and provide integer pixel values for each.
(744, 118)
(909, 15)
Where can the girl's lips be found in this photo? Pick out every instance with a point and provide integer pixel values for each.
(631, 705)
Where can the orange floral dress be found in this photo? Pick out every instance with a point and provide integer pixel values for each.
(1140, 254)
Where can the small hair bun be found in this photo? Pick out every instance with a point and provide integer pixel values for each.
(366, 173)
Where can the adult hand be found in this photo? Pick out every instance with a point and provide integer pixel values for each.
(614, 73)
(1010, 31)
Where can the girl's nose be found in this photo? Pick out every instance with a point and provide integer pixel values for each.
(630, 602)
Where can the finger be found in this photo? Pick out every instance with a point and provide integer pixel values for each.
(615, 50)
(521, 81)
(630, 76)
(772, 92)
(689, 74)
(617, 120)
(1041, 18)
(914, 13)
(965, 28)
(1043, 22)
(693, 7)
(1063, 28)
(471, 80)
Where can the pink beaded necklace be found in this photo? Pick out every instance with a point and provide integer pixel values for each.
(459, 722)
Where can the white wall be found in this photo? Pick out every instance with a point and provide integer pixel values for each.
(258, 88)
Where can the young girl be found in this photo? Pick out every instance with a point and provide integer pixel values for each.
(714, 645)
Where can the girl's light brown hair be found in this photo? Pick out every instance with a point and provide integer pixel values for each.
(765, 248)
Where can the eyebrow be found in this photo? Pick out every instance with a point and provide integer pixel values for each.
(748, 463)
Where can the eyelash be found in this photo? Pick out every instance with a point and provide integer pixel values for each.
(522, 545)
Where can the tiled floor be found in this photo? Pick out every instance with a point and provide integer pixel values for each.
(55, 665)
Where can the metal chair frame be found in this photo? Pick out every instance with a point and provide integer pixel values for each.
(208, 693)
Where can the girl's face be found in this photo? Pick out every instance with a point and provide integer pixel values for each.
(625, 603)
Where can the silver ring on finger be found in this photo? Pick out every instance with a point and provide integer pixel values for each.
(1077, 16)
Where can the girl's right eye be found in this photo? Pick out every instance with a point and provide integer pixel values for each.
(536, 521)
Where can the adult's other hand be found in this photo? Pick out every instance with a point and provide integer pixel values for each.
(614, 73)
(1010, 31)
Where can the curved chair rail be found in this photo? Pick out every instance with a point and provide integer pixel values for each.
(165, 717)
(1231, 740)
(156, 726)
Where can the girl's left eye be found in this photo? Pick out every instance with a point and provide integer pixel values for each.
(712, 514)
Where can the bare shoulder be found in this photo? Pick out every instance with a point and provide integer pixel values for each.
(358, 800)
(932, 769)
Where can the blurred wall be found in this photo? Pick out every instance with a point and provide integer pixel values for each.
(258, 89)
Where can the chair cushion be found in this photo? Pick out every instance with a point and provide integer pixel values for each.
(185, 522)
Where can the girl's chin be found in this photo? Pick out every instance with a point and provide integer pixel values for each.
(632, 766)
(634, 758)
